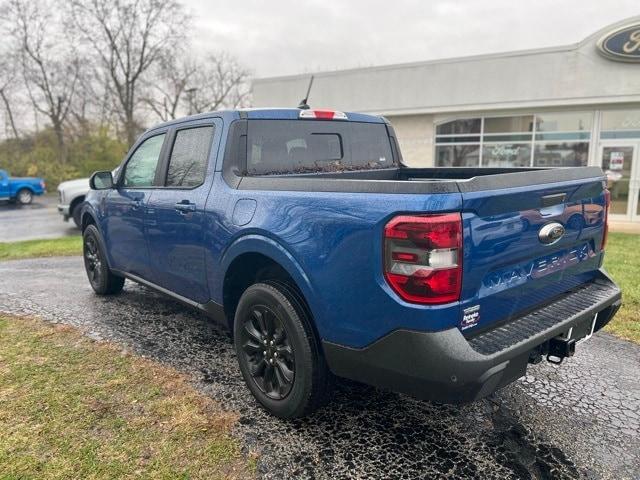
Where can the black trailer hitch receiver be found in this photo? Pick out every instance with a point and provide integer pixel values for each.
(559, 348)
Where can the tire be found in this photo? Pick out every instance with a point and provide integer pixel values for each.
(100, 277)
(24, 196)
(76, 213)
(288, 374)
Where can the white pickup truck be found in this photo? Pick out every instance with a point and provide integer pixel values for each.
(71, 195)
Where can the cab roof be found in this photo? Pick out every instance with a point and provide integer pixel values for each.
(294, 114)
(269, 114)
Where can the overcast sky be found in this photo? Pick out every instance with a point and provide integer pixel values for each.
(281, 37)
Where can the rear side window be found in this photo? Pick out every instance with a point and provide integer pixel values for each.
(140, 170)
(279, 147)
(189, 157)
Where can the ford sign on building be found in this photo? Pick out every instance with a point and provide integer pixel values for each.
(622, 44)
(563, 106)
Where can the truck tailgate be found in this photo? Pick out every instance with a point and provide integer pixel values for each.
(507, 266)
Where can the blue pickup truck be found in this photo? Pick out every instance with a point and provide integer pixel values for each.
(304, 233)
(21, 190)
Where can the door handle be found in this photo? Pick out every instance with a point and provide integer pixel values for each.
(185, 207)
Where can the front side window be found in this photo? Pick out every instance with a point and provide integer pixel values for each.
(189, 157)
(140, 171)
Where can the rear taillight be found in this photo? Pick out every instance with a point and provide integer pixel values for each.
(423, 257)
(607, 206)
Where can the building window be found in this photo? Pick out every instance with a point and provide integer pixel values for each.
(544, 139)
(506, 155)
(620, 124)
(458, 155)
(560, 139)
(507, 141)
(564, 122)
(567, 154)
(458, 143)
(460, 127)
(521, 124)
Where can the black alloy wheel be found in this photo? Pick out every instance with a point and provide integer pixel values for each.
(268, 353)
(92, 261)
(102, 280)
(278, 351)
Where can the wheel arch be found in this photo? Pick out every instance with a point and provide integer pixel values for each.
(75, 202)
(88, 218)
(254, 258)
(24, 186)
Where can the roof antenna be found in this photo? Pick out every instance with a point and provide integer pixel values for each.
(303, 103)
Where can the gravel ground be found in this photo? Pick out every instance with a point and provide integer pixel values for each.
(579, 420)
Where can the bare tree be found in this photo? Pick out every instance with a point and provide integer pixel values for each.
(220, 82)
(129, 37)
(182, 84)
(8, 110)
(49, 60)
(168, 86)
(93, 107)
(7, 90)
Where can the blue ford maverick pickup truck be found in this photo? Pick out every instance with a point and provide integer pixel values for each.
(20, 189)
(305, 234)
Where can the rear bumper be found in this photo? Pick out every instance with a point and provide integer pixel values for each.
(446, 367)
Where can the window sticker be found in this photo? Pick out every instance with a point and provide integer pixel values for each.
(616, 161)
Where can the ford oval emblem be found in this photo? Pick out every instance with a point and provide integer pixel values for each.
(622, 44)
(551, 233)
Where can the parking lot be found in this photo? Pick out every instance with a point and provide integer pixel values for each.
(580, 420)
(35, 221)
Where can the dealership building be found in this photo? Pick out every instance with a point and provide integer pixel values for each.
(562, 106)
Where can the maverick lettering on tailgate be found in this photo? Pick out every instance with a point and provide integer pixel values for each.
(538, 268)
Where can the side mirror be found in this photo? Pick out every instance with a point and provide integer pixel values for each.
(101, 181)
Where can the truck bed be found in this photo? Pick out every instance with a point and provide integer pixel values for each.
(417, 180)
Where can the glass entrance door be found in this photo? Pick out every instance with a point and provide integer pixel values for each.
(620, 164)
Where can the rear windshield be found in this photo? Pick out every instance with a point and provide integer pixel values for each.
(278, 147)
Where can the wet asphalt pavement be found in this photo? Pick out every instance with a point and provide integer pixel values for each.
(579, 420)
(38, 220)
